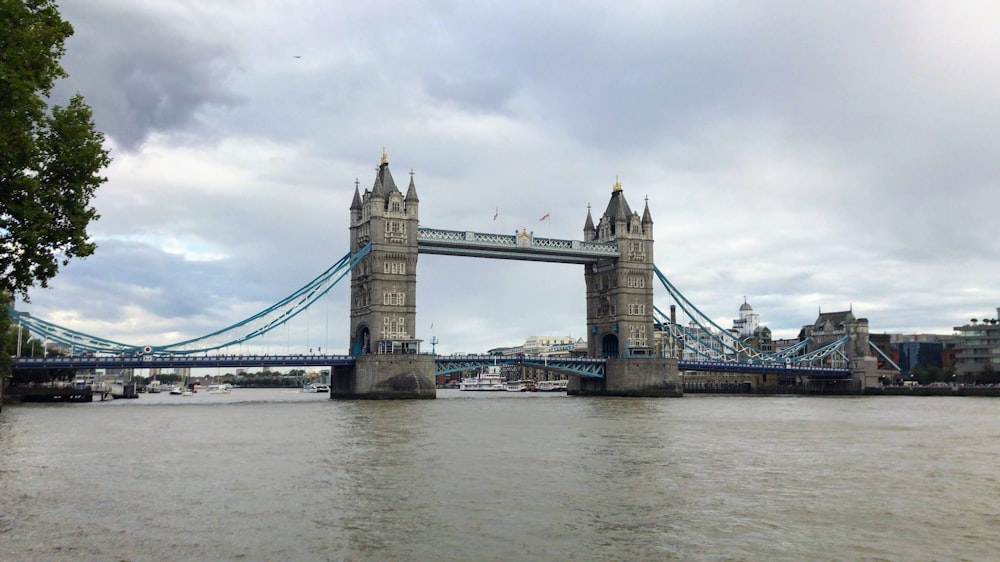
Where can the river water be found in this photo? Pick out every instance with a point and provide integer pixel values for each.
(282, 475)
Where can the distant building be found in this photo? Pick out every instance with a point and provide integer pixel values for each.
(747, 327)
(747, 323)
(562, 346)
(832, 326)
(922, 350)
(977, 348)
(783, 343)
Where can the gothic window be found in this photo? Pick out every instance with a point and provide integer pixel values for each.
(394, 299)
(637, 336)
(395, 267)
(393, 327)
(395, 206)
(637, 309)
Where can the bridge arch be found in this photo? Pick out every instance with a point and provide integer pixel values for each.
(361, 343)
(609, 346)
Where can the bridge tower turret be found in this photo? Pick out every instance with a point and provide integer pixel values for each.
(384, 283)
(620, 290)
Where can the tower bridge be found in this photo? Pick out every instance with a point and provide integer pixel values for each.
(616, 252)
(385, 360)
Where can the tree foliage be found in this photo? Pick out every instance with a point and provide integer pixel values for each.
(50, 157)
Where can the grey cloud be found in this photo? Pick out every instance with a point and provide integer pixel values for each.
(144, 74)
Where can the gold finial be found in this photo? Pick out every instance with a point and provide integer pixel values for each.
(618, 185)
(385, 158)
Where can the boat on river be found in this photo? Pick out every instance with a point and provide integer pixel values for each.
(315, 387)
(526, 385)
(489, 378)
(553, 386)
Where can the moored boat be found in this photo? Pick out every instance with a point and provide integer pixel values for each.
(489, 378)
(553, 386)
(516, 386)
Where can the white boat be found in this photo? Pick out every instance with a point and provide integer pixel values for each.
(516, 386)
(526, 385)
(489, 378)
(310, 387)
(553, 386)
(219, 388)
(176, 390)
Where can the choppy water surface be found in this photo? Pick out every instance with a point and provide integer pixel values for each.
(280, 475)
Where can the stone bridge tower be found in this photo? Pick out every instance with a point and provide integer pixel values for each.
(620, 308)
(388, 363)
(384, 283)
(620, 290)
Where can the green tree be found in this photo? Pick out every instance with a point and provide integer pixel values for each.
(50, 157)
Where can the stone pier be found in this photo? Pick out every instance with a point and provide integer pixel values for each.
(636, 376)
(385, 377)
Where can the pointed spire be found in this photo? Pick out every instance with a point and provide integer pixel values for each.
(589, 225)
(377, 190)
(618, 208)
(356, 203)
(388, 185)
(647, 218)
(411, 192)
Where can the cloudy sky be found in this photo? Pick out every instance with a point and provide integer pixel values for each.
(804, 155)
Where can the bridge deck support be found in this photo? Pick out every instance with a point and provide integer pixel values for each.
(865, 371)
(385, 377)
(634, 376)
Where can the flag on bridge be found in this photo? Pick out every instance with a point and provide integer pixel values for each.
(545, 216)
(497, 213)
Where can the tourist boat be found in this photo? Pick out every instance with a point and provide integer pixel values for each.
(553, 386)
(488, 378)
(516, 386)
(526, 385)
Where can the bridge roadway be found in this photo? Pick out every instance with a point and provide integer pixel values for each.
(180, 361)
(580, 366)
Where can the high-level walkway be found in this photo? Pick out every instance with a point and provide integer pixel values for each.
(521, 246)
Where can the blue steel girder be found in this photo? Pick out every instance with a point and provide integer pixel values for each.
(235, 334)
(886, 357)
(522, 246)
(792, 369)
(715, 349)
(577, 366)
(132, 361)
